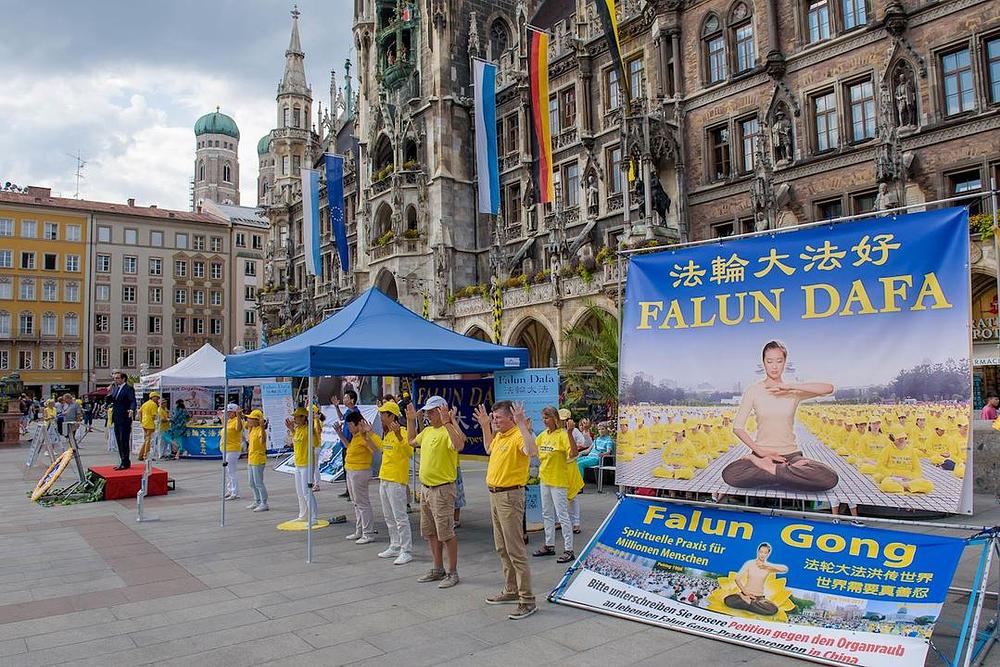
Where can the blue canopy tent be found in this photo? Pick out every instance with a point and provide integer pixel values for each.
(372, 335)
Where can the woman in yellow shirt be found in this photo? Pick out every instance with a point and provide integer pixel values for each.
(393, 489)
(300, 444)
(257, 459)
(163, 448)
(358, 465)
(231, 442)
(556, 452)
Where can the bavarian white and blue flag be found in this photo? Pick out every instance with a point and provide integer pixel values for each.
(487, 169)
(310, 220)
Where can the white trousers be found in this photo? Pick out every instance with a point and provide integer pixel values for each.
(574, 510)
(394, 496)
(555, 506)
(307, 501)
(232, 482)
(357, 486)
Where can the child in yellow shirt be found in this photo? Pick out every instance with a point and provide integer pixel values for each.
(257, 459)
(899, 467)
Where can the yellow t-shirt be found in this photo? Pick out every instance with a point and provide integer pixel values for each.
(396, 453)
(438, 459)
(508, 464)
(148, 414)
(50, 414)
(896, 462)
(300, 444)
(233, 435)
(358, 456)
(164, 419)
(257, 449)
(553, 454)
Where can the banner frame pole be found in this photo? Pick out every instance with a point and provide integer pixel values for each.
(225, 399)
(892, 212)
(974, 607)
(554, 594)
(310, 502)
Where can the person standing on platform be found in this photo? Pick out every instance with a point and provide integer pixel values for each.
(393, 490)
(440, 444)
(510, 447)
(358, 467)
(232, 433)
(147, 417)
(298, 426)
(257, 459)
(121, 399)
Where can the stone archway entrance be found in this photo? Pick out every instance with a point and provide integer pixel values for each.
(386, 282)
(533, 336)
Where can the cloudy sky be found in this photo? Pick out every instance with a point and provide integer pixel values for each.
(123, 82)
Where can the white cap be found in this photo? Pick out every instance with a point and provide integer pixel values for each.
(435, 402)
(232, 407)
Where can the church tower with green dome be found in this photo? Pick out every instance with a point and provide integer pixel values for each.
(216, 162)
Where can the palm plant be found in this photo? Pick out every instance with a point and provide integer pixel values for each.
(591, 367)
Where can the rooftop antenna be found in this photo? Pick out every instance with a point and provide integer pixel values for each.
(80, 164)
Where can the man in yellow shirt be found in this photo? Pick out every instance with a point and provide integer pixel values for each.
(440, 444)
(394, 480)
(147, 415)
(510, 444)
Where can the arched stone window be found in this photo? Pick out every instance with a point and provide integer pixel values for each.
(499, 38)
(71, 325)
(227, 173)
(713, 44)
(201, 170)
(285, 116)
(296, 116)
(741, 34)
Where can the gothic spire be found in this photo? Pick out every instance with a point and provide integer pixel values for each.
(294, 79)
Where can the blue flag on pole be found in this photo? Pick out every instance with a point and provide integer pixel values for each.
(487, 169)
(335, 201)
(310, 220)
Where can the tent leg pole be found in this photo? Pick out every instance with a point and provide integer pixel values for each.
(309, 474)
(225, 399)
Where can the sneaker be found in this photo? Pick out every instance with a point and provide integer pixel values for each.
(365, 539)
(252, 506)
(449, 580)
(234, 496)
(261, 508)
(856, 522)
(835, 521)
(353, 536)
(502, 598)
(522, 611)
(391, 552)
(431, 575)
(403, 558)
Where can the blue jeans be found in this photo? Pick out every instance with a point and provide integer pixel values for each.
(257, 484)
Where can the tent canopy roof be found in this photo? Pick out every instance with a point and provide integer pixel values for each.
(205, 368)
(374, 335)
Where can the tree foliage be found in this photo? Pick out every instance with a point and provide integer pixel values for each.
(591, 366)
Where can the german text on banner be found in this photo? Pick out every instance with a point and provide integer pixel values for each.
(466, 395)
(827, 364)
(487, 169)
(831, 592)
(310, 220)
(541, 133)
(335, 203)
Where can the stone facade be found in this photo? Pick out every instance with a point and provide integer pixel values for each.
(745, 115)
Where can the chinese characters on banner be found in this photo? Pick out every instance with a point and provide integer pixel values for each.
(537, 388)
(465, 395)
(825, 364)
(840, 593)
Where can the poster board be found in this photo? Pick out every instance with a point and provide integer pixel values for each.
(814, 346)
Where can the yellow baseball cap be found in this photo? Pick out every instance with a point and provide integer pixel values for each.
(255, 414)
(564, 414)
(300, 412)
(391, 407)
(154, 394)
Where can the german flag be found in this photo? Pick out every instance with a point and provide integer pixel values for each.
(609, 21)
(541, 133)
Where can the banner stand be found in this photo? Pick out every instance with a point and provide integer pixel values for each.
(973, 643)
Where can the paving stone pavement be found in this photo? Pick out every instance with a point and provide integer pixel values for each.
(88, 585)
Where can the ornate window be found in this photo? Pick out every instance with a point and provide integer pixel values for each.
(714, 46)
(227, 173)
(71, 325)
(296, 116)
(201, 170)
(741, 28)
(499, 38)
(819, 20)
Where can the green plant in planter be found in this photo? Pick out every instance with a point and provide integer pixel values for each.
(385, 239)
(587, 276)
(411, 234)
(605, 256)
(541, 277)
(410, 165)
(982, 224)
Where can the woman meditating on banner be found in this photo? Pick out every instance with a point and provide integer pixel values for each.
(775, 460)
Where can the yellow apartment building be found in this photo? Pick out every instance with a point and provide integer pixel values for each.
(43, 294)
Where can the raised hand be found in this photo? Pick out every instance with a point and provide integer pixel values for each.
(411, 412)
(481, 415)
(518, 411)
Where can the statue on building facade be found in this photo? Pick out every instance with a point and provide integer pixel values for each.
(781, 137)
(905, 99)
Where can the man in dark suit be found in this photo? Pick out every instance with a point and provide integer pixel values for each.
(121, 398)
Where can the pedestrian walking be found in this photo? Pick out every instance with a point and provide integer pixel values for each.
(510, 444)
(439, 444)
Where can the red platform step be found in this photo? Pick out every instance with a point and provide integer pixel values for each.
(126, 483)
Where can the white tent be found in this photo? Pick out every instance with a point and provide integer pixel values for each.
(204, 368)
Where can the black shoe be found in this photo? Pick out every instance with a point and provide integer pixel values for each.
(119, 468)
(345, 494)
